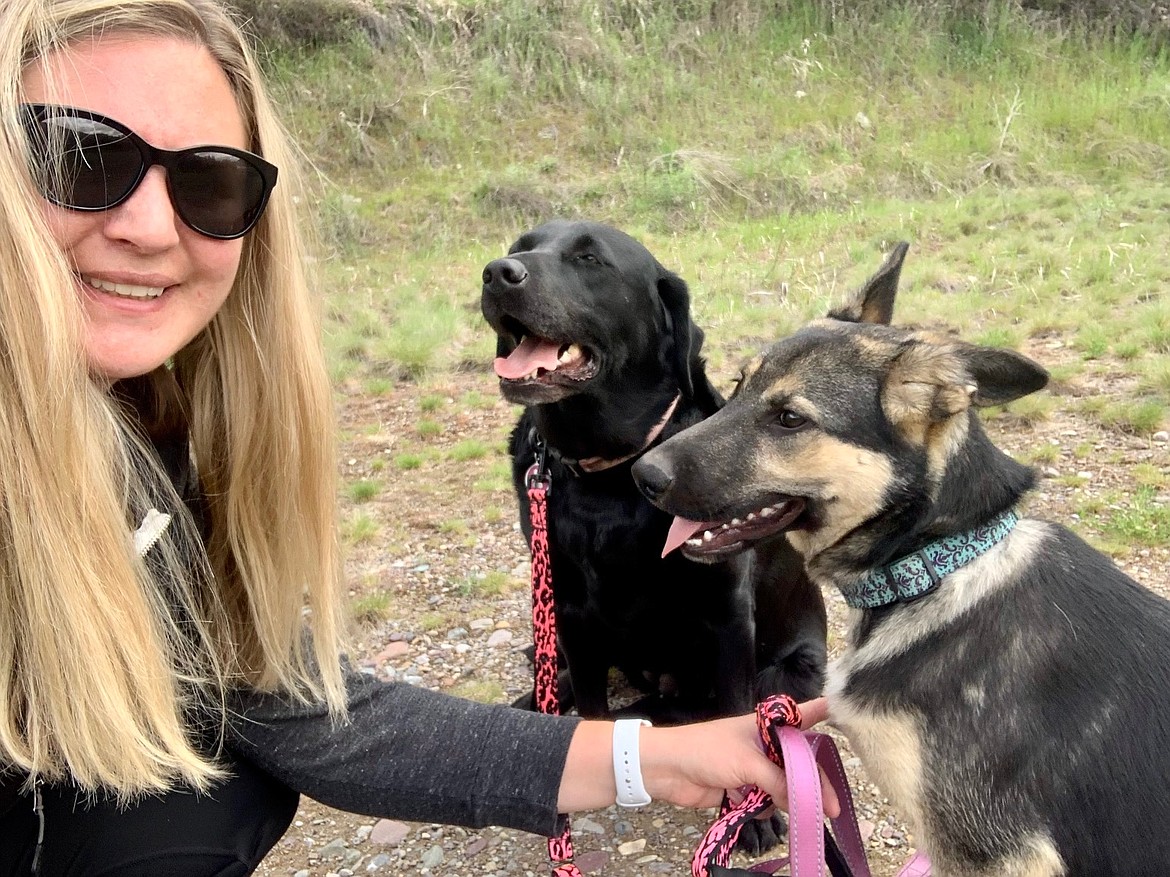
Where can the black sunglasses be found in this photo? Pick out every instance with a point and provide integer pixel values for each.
(85, 161)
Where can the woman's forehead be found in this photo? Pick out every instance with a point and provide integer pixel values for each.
(170, 90)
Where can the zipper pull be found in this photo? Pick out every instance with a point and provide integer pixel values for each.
(150, 531)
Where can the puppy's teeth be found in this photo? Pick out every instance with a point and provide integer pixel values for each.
(571, 353)
(695, 543)
(708, 536)
(751, 516)
(735, 522)
(767, 512)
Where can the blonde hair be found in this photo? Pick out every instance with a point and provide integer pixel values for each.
(111, 665)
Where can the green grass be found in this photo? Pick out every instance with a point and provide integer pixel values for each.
(490, 584)
(1143, 519)
(359, 528)
(371, 608)
(363, 490)
(761, 155)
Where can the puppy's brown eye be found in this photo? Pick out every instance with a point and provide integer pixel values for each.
(789, 419)
(588, 257)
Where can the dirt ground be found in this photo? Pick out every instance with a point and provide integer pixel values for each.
(438, 528)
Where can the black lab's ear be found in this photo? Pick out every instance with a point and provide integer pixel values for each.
(672, 289)
(874, 302)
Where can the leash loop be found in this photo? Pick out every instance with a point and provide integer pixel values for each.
(538, 482)
(812, 846)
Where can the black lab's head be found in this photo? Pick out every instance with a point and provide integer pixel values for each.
(582, 308)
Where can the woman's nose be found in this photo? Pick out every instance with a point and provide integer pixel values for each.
(146, 219)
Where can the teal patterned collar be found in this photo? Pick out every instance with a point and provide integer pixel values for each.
(919, 573)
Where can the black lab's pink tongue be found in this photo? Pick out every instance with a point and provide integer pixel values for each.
(680, 531)
(533, 353)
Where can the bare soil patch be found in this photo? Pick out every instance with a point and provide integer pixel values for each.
(438, 529)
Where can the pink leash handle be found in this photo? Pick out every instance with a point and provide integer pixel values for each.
(809, 842)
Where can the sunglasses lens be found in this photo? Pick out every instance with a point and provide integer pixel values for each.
(217, 193)
(85, 163)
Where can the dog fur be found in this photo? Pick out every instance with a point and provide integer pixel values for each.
(699, 639)
(1016, 714)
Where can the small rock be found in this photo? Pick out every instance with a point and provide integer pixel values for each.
(335, 849)
(457, 633)
(863, 121)
(632, 847)
(433, 857)
(591, 860)
(481, 624)
(395, 649)
(379, 861)
(585, 824)
(304, 872)
(389, 833)
(499, 638)
(1162, 436)
(475, 846)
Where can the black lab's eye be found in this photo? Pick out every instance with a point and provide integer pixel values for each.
(588, 257)
(789, 419)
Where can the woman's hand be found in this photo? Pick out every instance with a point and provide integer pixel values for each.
(692, 765)
(687, 765)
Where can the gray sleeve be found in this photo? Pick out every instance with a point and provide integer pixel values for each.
(410, 753)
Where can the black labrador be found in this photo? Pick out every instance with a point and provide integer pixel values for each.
(596, 341)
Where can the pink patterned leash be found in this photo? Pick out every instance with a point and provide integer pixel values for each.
(544, 635)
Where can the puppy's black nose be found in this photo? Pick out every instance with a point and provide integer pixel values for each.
(503, 274)
(651, 480)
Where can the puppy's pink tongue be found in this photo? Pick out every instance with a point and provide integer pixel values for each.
(533, 353)
(680, 531)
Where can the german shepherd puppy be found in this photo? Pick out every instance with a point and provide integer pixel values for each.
(595, 340)
(1004, 683)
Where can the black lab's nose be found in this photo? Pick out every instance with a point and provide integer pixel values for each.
(652, 481)
(501, 275)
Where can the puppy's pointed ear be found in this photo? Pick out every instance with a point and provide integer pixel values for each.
(930, 381)
(874, 302)
(687, 338)
(1001, 376)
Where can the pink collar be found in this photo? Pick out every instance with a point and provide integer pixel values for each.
(598, 464)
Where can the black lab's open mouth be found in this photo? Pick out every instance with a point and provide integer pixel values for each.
(540, 367)
(712, 541)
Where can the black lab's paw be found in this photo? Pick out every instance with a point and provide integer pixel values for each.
(760, 835)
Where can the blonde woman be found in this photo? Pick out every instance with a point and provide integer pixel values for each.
(167, 493)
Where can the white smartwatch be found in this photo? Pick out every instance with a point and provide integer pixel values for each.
(627, 765)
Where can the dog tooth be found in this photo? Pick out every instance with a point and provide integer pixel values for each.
(751, 516)
(708, 535)
(735, 522)
(767, 512)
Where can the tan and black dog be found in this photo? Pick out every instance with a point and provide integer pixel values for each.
(1005, 684)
